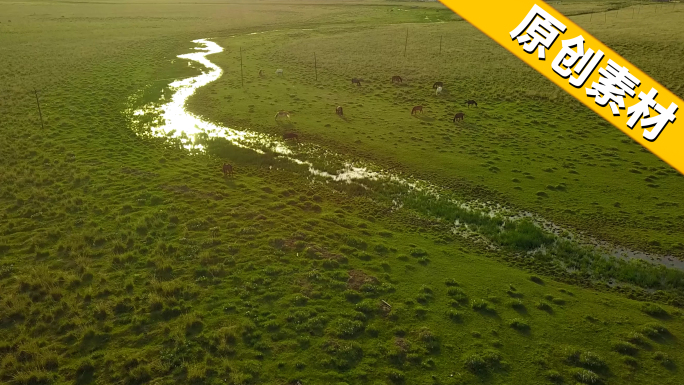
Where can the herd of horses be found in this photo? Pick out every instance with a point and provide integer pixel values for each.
(437, 86)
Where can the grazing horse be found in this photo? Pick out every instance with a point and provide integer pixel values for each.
(469, 102)
(416, 109)
(279, 72)
(338, 111)
(227, 169)
(291, 135)
(397, 79)
(438, 91)
(281, 114)
(458, 116)
(356, 81)
(437, 84)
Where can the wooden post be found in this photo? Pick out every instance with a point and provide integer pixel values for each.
(242, 78)
(39, 112)
(315, 67)
(406, 43)
(440, 45)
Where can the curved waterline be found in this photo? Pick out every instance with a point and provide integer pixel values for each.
(173, 121)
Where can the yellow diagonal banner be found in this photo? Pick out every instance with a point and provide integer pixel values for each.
(584, 67)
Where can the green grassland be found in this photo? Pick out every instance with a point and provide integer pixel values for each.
(527, 144)
(127, 261)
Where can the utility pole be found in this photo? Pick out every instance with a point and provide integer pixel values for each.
(242, 78)
(39, 112)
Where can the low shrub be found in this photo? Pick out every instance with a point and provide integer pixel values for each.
(585, 376)
(480, 363)
(519, 324)
(624, 347)
(554, 376)
(664, 359)
(654, 310)
(454, 315)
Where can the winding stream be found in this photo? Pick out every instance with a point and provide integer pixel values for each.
(170, 119)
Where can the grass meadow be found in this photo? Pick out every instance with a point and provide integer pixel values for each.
(527, 145)
(125, 260)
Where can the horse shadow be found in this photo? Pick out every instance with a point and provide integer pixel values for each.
(285, 124)
(424, 118)
(229, 180)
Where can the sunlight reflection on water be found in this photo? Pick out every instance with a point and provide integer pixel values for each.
(172, 120)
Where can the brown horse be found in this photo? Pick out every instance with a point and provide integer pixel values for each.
(291, 135)
(227, 169)
(437, 84)
(458, 116)
(282, 114)
(469, 102)
(356, 81)
(338, 111)
(397, 79)
(416, 109)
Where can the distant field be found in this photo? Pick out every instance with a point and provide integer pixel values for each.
(126, 261)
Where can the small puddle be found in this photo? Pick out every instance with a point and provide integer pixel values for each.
(172, 120)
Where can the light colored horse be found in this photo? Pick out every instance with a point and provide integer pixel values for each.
(438, 91)
(282, 114)
(279, 72)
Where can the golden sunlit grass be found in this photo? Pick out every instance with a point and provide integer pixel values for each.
(123, 260)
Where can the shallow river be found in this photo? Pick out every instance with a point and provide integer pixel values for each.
(171, 119)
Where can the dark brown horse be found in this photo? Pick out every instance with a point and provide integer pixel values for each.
(227, 169)
(437, 84)
(291, 135)
(338, 111)
(397, 79)
(356, 81)
(458, 116)
(416, 109)
(469, 102)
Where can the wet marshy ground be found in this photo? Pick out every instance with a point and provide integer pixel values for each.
(500, 227)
